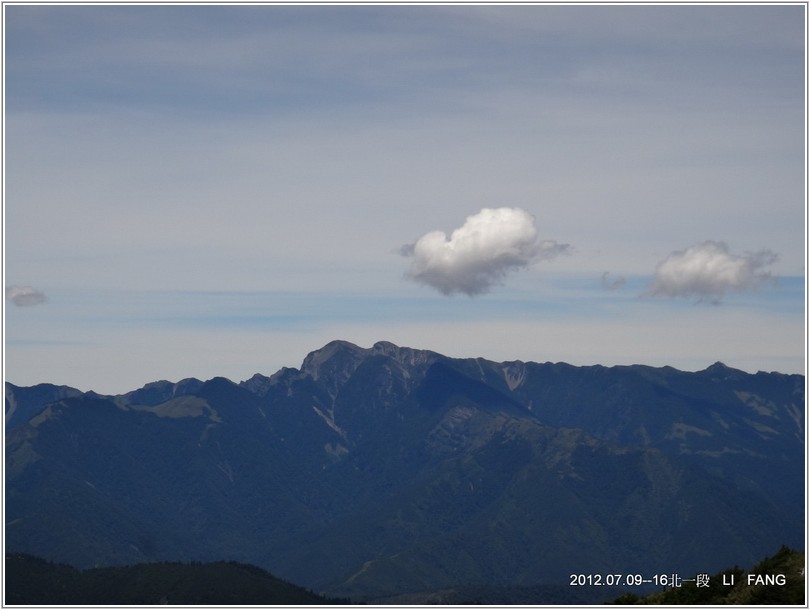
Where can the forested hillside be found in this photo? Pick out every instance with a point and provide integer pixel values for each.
(31, 580)
(777, 581)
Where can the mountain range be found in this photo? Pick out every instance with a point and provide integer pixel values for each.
(374, 472)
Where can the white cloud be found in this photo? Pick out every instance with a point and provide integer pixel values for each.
(708, 270)
(488, 246)
(25, 296)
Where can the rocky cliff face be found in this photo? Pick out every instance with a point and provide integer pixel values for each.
(376, 471)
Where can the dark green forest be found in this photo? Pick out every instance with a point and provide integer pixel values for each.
(785, 562)
(31, 580)
(34, 581)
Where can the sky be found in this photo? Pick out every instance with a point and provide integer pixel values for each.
(206, 190)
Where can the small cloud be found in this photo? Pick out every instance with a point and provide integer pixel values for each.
(708, 271)
(479, 254)
(612, 283)
(25, 296)
(406, 250)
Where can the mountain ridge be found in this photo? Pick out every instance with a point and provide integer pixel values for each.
(379, 347)
(377, 471)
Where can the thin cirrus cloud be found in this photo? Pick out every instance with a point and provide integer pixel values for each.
(709, 270)
(479, 254)
(25, 296)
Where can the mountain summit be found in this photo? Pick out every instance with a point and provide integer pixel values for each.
(385, 470)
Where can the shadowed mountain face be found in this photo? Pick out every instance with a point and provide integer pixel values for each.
(373, 472)
(32, 581)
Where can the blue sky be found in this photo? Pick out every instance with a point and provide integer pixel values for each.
(218, 190)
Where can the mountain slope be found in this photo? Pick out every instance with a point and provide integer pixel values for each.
(33, 581)
(379, 471)
(778, 580)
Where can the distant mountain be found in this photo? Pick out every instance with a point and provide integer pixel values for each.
(389, 470)
(33, 581)
(24, 403)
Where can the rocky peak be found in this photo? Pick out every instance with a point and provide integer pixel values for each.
(258, 384)
(718, 370)
(333, 364)
(385, 347)
(404, 355)
(339, 357)
(157, 392)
